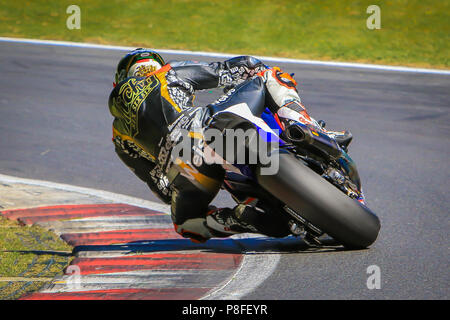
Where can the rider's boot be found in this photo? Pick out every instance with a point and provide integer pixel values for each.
(343, 138)
(220, 223)
(225, 221)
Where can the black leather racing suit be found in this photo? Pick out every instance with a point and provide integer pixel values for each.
(144, 108)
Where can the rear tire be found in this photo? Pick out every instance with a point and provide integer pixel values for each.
(321, 203)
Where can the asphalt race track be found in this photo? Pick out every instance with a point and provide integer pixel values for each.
(55, 126)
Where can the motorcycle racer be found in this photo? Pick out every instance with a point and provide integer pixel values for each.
(151, 98)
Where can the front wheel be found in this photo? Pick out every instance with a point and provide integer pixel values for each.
(319, 202)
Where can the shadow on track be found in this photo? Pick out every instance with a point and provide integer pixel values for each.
(253, 245)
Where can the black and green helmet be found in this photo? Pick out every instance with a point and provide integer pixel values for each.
(138, 62)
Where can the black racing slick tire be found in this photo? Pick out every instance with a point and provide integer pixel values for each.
(322, 204)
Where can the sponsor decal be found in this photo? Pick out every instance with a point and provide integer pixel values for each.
(130, 98)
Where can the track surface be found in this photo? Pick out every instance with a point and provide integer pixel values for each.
(56, 126)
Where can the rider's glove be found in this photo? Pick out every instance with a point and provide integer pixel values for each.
(237, 70)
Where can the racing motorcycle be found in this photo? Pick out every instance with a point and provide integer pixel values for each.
(316, 190)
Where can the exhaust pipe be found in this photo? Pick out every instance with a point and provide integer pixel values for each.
(297, 134)
(302, 136)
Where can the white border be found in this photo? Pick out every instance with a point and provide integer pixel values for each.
(253, 271)
(226, 55)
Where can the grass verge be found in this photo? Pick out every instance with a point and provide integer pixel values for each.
(29, 258)
(413, 32)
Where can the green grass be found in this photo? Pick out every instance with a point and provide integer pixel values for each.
(413, 32)
(28, 252)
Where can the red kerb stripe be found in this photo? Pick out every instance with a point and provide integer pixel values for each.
(52, 213)
(118, 236)
(123, 294)
(159, 261)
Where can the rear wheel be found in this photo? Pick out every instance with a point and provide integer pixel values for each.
(319, 202)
